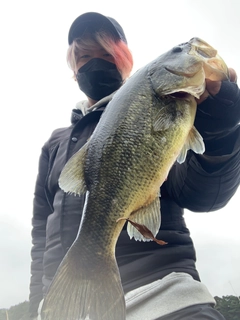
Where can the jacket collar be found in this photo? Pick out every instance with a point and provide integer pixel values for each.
(81, 108)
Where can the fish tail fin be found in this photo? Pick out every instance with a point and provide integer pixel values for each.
(85, 291)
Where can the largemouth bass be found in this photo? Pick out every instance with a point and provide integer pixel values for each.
(147, 126)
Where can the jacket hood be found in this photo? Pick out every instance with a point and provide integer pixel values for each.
(82, 108)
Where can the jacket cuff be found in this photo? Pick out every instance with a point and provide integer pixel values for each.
(228, 94)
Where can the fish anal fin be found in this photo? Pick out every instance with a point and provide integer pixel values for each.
(194, 142)
(148, 216)
(145, 232)
(72, 176)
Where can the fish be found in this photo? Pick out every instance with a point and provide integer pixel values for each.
(146, 127)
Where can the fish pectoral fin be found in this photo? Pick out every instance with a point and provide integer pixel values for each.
(72, 176)
(85, 289)
(149, 216)
(163, 120)
(193, 142)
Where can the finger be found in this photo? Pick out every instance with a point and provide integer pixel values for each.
(203, 97)
(232, 75)
(213, 87)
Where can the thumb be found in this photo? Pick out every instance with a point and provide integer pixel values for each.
(232, 75)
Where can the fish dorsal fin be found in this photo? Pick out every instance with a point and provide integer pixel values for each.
(194, 142)
(150, 216)
(163, 120)
(72, 176)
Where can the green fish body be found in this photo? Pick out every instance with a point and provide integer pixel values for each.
(146, 127)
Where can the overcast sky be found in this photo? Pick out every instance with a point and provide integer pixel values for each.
(38, 94)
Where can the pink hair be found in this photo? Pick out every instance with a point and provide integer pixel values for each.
(119, 50)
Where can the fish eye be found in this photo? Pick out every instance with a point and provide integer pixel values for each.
(177, 49)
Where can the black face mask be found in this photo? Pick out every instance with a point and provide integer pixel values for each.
(98, 78)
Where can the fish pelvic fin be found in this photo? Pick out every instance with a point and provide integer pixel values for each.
(85, 292)
(149, 216)
(193, 142)
(72, 176)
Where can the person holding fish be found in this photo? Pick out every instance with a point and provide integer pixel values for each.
(168, 135)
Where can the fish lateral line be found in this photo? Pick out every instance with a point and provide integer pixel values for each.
(144, 231)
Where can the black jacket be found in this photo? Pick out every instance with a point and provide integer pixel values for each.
(201, 183)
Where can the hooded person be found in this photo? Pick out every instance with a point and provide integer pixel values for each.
(159, 282)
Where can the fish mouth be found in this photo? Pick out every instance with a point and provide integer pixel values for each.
(193, 83)
(186, 93)
(182, 95)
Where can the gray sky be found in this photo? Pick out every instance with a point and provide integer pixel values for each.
(38, 94)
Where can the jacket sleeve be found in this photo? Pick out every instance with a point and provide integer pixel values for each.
(41, 210)
(207, 182)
